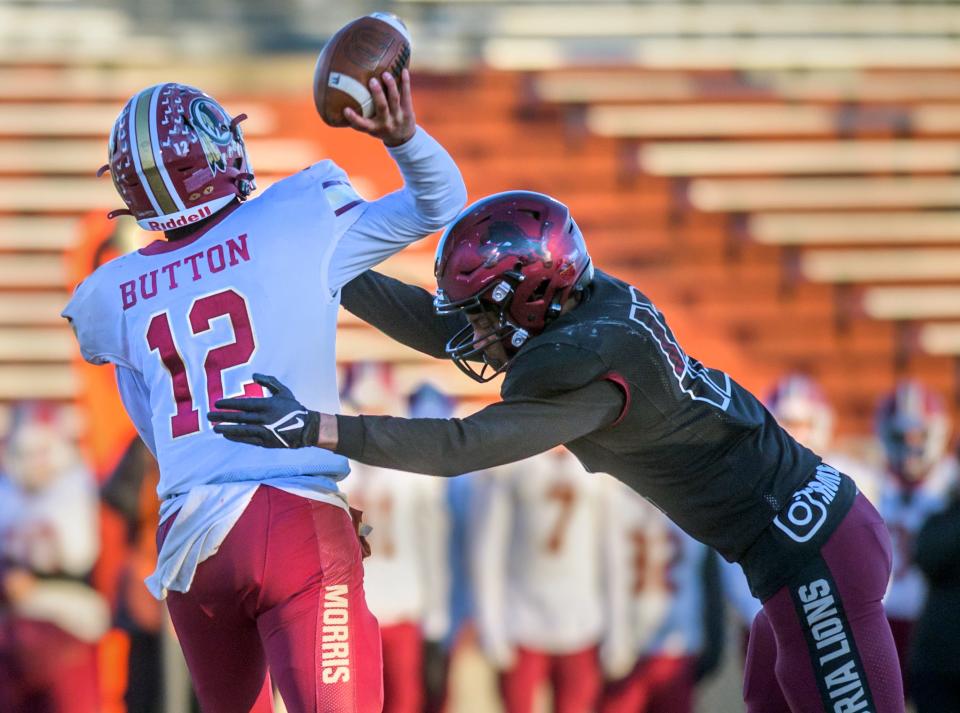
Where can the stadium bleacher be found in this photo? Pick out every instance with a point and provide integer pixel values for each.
(696, 122)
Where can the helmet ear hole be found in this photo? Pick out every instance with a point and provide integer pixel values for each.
(540, 291)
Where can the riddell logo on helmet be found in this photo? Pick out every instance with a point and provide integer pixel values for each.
(202, 212)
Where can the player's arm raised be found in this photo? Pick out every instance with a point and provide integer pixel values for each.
(432, 195)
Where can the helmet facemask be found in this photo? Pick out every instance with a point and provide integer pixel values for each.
(490, 311)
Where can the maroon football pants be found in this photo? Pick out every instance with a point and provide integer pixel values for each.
(574, 678)
(902, 635)
(402, 668)
(822, 643)
(43, 669)
(284, 592)
(658, 684)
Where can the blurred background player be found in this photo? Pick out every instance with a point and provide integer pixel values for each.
(406, 577)
(913, 427)
(663, 607)
(538, 569)
(157, 679)
(50, 618)
(935, 654)
(800, 406)
(457, 507)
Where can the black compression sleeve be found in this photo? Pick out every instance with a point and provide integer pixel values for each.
(403, 312)
(503, 432)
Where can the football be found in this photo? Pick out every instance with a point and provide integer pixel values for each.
(364, 48)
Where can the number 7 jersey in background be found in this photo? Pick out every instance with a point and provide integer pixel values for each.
(189, 322)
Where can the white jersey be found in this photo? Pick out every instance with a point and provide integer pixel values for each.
(537, 564)
(905, 510)
(406, 576)
(55, 531)
(736, 592)
(867, 478)
(655, 583)
(189, 322)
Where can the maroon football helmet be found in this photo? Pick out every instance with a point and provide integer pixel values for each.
(176, 157)
(801, 407)
(517, 256)
(913, 425)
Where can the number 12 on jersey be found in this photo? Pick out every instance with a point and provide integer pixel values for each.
(204, 310)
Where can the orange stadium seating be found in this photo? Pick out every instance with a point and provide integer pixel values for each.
(670, 215)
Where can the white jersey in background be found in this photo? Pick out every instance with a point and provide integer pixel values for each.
(869, 479)
(736, 592)
(406, 577)
(189, 322)
(905, 510)
(537, 564)
(654, 596)
(54, 533)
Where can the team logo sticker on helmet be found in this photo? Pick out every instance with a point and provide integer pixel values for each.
(213, 129)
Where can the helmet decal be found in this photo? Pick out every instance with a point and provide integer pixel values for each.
(144, 132)
(503, 238)
(213, 129)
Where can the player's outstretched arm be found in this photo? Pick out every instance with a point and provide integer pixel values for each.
(503, 432)
(403, 312)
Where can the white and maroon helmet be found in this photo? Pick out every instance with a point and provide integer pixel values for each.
(38, 447)
(799, 405)
(913, 425)
(176, 157)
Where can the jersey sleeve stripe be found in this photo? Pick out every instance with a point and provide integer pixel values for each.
(618, 379)
(343, 209)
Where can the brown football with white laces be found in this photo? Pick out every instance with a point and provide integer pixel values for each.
(364, 48)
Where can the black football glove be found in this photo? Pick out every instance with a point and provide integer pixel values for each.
(278, 421)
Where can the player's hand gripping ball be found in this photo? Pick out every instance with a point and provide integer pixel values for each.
(359, 62)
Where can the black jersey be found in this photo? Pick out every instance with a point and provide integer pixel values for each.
(691, 440)
(609, 381)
